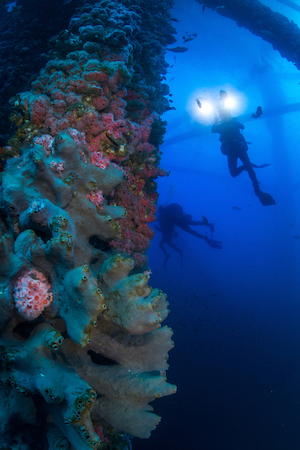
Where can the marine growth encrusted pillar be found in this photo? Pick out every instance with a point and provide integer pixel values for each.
(273, 27)
(82, 345)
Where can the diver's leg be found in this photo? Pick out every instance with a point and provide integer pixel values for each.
(232, 166)
(247, 165)
(265, 198)
(189, 230)
(211, 242)
(196, 222)
(177, 249)
(161, 246)
(236, 171)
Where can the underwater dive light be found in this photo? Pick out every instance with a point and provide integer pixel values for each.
(206, 103)
(227, 101)
(205, 106)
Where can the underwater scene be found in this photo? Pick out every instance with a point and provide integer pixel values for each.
(149, 225)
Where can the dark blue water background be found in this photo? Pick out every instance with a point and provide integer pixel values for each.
(235, 312)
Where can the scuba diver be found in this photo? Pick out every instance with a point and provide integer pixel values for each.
(234, 146)
(173, 215)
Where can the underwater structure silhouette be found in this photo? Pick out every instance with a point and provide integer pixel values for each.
(258, 18)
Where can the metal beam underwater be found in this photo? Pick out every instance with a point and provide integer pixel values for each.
(290, 4)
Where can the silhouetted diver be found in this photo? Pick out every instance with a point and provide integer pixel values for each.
(234, 146)
(173, 215)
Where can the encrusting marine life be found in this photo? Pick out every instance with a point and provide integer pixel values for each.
(76, 201)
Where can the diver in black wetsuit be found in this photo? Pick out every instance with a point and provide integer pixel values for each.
(173, 215)
(234, 146)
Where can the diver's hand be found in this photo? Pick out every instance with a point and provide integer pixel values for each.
(212, 243)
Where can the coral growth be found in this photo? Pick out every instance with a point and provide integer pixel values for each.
(89, 93)
(25, 28)
(32, 294)
(82, 345)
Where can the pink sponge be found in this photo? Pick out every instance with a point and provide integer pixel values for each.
(32, 294)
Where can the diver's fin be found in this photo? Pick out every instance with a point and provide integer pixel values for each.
(265, 198)
(205, 221)
(262, 166)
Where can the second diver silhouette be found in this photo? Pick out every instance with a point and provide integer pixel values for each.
(173, 215)
(234, 146)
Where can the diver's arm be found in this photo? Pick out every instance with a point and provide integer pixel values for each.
(217, 125)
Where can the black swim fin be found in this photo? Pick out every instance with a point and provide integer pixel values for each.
(262, 166)
(265, 198)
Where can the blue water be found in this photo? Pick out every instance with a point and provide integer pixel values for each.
(235, 312)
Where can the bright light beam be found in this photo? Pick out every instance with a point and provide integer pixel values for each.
(201, 107)
(204, 104)
(230, 103)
